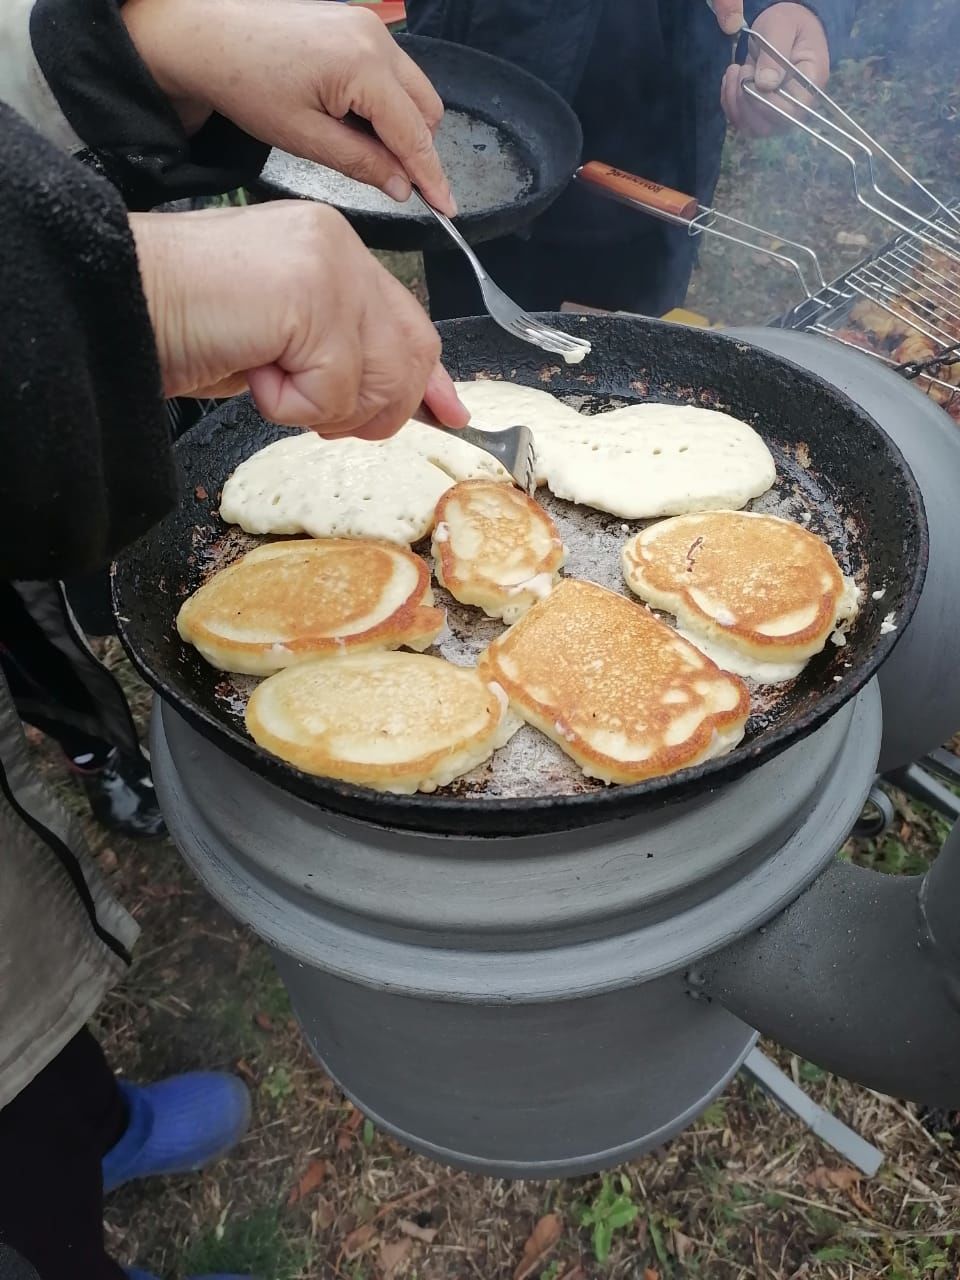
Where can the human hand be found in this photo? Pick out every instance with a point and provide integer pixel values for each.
(288, 72)
(798, 33)
(729, 14)
(284, 298)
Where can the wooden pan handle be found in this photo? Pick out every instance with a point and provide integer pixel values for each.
(647, 195)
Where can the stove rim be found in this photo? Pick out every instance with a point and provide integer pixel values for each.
(531, 976)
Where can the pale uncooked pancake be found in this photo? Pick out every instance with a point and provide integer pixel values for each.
(758, 594)
(397, 722)
(351, 488)
(496, 548)
(614, 687)
(288, 602)
(495, 404)
(460, 460)
(638, 462)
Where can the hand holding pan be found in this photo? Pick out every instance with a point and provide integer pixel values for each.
(288, 73)
(507, 163)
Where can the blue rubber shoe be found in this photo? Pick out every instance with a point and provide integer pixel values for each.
(177, 1125)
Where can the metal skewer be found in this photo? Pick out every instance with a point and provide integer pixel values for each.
(851, 141)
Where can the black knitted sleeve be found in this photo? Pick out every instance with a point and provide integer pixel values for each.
(86, 461)
(118, 111)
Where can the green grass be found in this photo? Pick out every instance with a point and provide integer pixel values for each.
(257, 1245)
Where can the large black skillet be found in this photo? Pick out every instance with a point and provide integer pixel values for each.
(836, 469)
(509, 143)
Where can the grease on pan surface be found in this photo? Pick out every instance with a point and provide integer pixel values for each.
(484, 172)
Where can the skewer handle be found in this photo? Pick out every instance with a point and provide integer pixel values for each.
(651, 197)
(388, 12)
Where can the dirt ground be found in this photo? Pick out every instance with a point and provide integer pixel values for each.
(315, 1193)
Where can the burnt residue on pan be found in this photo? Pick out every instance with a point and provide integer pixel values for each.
(837, 473)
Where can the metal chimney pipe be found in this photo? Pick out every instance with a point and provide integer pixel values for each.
(861, 975)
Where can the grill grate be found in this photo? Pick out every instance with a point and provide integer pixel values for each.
(902, 305)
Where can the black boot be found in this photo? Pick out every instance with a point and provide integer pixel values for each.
(122, 797)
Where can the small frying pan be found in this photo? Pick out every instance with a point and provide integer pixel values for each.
(509, 144)
(837, 472)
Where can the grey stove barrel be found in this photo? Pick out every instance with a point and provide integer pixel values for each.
(540, 1006)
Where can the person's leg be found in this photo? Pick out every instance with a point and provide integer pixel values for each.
(53, 1138)
(75, 1131)
(61, 689)
(638, 275)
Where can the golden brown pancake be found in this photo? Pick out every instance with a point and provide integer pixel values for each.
(766, 591)
(496, 548)
(614, 687)
(399, 722)
(289, 601)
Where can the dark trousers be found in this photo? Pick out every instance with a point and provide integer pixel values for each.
(46, 689)
(57, 683)
(636, 275)
(53, 1136)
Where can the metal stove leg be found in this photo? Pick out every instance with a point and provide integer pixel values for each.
(922, 786)
(877, 815)
(945, 765)
(826, 1126)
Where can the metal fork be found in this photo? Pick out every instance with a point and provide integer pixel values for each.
(513, 447)
(504, 310)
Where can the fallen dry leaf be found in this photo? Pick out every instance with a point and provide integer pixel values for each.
(542, 1239)
(426, 1234)
(263, 1021)
(841, 1179)
(681, 1245)
(360, 1241)
(857, 1200)
(314, 1174)
(347, 1131)
(393, 1255)
(323, 1216)
(651, 1273)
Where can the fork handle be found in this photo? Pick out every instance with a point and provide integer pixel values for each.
(429, 419)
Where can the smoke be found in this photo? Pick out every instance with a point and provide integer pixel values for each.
(896, 76)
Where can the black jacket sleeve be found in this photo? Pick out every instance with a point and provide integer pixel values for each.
(120, 114)
(86, 459)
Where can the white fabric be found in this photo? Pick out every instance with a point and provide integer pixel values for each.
(22, 85)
